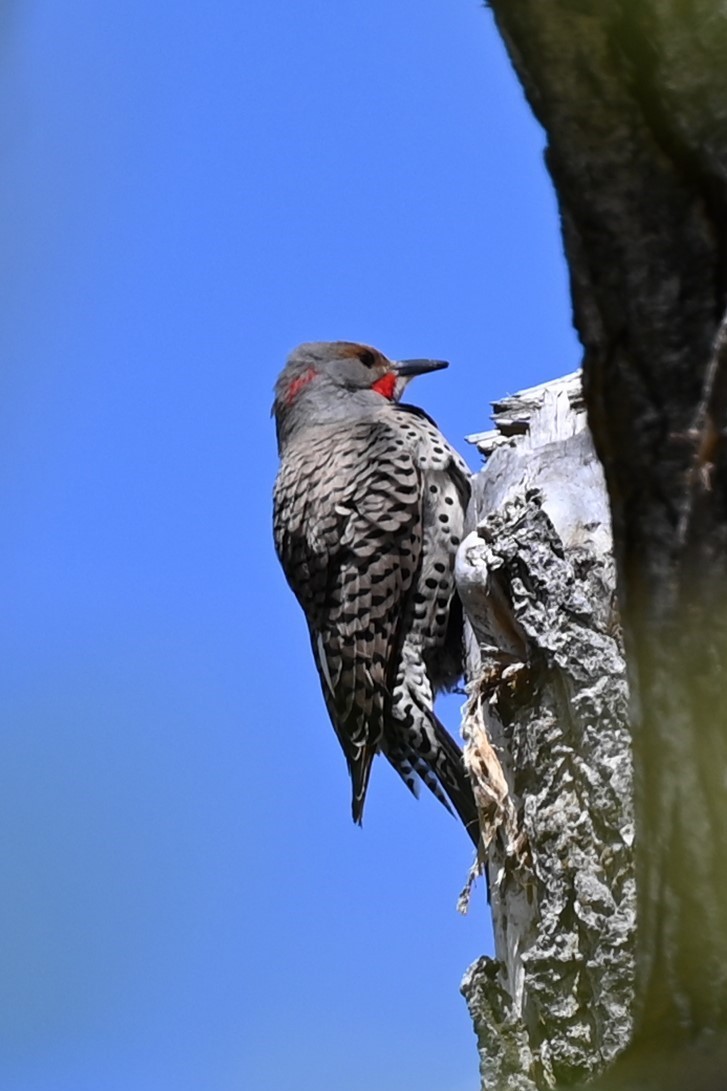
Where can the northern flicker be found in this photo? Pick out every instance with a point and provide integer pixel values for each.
(368, 512)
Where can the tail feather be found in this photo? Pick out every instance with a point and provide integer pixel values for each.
(443, 771)
(360, 771)
(453, 777)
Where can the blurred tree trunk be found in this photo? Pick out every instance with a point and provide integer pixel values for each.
(633, 97)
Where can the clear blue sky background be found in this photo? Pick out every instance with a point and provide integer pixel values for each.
(188, 191)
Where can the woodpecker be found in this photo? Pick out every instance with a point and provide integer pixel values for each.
(369, 508)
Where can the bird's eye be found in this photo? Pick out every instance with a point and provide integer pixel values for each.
(367, 358)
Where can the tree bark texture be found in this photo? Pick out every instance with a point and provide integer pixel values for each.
(548, 748)
(633, 97)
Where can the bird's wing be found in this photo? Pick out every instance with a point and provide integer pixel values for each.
(348, 533)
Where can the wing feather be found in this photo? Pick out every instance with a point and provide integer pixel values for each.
(348, 512)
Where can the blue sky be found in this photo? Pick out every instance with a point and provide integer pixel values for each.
(187, 192)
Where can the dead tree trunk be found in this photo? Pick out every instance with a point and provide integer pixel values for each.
(548, 748)
(634, 102)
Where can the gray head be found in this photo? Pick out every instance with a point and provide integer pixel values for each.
(324, 381)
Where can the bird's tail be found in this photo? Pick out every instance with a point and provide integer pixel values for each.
(439, 763)
(452, 775)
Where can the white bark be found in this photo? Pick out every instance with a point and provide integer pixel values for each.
(548, 746)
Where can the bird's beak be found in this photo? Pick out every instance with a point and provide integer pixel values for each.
(407, 369)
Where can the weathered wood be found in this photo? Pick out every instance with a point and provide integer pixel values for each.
(547, 745)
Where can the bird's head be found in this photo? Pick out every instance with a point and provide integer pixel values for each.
(324, 381)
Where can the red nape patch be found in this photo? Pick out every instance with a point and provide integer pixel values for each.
(297, 385)
(386, 385)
